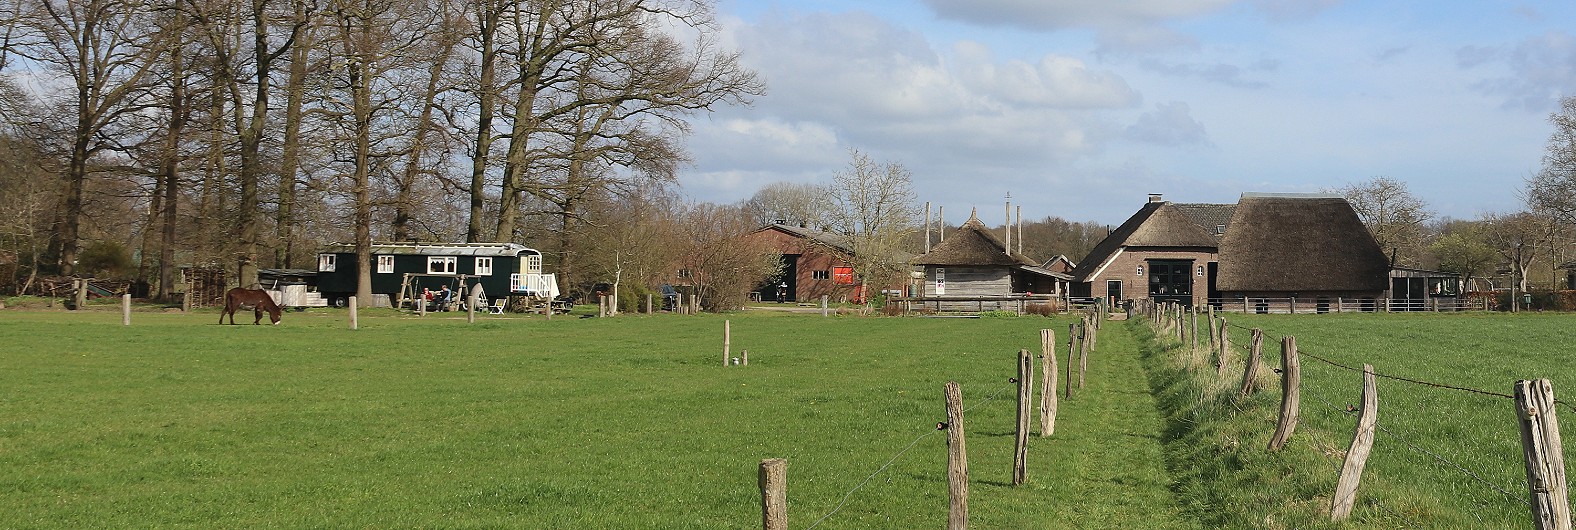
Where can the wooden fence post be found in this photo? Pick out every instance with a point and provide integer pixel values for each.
(1083, 352)
(1020, 455)
(125, 309)
(1072, 357)
(1255, 355)
(1212, 323)
(1193, 327)
(1357, 454)
(1047, 382)
(957, 461)
(470, 304)
(823, 305)
(355, 323)
(774, 494)
(1094, 332)
(421, 305)
(1291, 393)
(1222, 358)
(1545, 457)
(727, 337)
(186, 301)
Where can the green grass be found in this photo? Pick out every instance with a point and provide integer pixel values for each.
(628, 422)
(1216, 443)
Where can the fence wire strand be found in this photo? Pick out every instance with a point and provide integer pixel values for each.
(899, 454)
(872, 476)
(1302, 352)
(1440, 460)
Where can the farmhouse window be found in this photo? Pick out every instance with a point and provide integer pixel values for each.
(385, 264)
(1170, 277)
(325, 262)
(484, 266)
(1201, 271)
(820, 275)
(843, 275)
(440, 264)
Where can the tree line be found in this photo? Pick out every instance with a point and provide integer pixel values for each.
(247, 133)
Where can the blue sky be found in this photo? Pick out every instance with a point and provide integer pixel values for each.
(1081, 108)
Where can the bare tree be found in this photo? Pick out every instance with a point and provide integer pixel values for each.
(1553, 188)
(105, 49)
(247, 38)
(791, 203)
(875, 205)
(302, 68)
(636, 76)
(374, 40)
(722, 264)
(1392, 214)
(1518, 238)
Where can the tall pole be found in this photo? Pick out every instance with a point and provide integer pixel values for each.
(927, 227)
(1018, 220)
(941, 223)
(1008, 222)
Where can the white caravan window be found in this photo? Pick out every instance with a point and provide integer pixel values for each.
(440, 264)
(484, 266)
(385, 264)
(325, 262)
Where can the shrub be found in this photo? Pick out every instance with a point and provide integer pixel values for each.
(1044, 309)
(106, 259)
(999, 313)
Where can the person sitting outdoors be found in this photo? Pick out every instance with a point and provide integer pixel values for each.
(445, 296)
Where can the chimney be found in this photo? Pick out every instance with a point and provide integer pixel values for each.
(1155, 197)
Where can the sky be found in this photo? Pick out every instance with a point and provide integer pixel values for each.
(1081, 108)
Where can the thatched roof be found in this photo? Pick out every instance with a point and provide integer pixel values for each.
(1157, 224)
(1215, 218)
(972, 244)
(1285, 242)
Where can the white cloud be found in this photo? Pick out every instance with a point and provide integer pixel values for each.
(950, 111)
(1537, 71)
(1059, 14)
(1170, 124)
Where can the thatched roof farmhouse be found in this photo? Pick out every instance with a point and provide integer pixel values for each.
(972, 261)
(1281, 245)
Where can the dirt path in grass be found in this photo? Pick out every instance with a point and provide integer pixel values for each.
(1106, 458)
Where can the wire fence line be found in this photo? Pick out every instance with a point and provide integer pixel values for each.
(1441, 461)
(1301, 351)
(1447, 463)
(932, 432)
(1398, 437)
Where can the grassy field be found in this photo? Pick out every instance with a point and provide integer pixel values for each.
(1442, 459)
(628, 422)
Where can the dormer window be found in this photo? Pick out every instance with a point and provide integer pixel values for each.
(1220, 229)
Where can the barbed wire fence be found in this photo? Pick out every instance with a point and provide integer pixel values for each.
(1170, 325)
(1085, 341)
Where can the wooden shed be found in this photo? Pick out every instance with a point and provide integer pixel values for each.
(973, 262)
(815, 263)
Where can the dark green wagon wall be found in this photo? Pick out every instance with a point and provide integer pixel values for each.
(342, 282)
